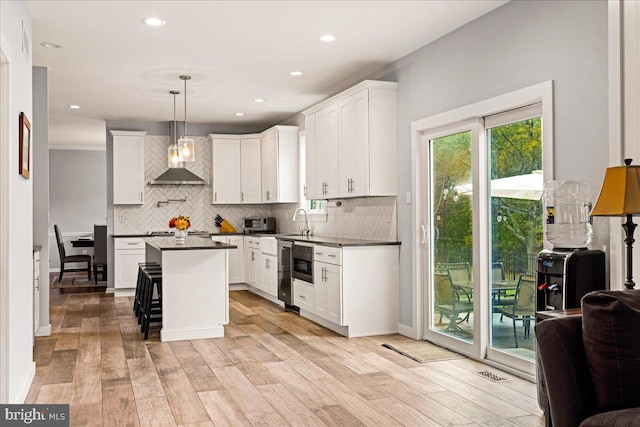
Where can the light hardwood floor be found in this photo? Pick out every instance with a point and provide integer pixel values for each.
(272, 368)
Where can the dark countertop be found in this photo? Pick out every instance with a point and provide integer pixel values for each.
(335, 241)
(169, 243)
(147, 234)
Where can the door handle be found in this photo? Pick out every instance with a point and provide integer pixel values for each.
(424, 234)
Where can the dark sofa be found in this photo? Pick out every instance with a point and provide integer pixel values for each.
(591, 363)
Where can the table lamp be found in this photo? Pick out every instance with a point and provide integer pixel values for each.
(620, 196)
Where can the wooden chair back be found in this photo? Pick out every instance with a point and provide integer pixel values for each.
(60, 242)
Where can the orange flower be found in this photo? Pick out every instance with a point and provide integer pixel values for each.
(180, 222)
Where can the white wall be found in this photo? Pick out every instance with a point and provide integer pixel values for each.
(13, 14)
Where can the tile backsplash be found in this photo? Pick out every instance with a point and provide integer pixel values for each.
(363, 218)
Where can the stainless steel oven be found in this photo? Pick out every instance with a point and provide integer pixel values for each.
(285, 286)
(302, 262)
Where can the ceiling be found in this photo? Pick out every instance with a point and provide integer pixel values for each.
(117, 68)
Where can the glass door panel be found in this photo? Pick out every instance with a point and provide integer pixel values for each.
(451, 233)
(516, 222)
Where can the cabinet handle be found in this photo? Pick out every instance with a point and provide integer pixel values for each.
(267, 263)
(141, 196)
(268, 195)
(242, 197)
(132, 243)
(253, 256)
(215, 196)
(305, 190)
(332, 255)
(302, 297)
(319, 253)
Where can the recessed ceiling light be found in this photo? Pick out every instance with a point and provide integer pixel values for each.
(239, 114)
(74, 106)
(258, 100)
(328, 38)
(296, 73)
(154, 22)
(50, 45)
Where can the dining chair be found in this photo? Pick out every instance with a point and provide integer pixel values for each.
(70, 258)
(100, 251)
(460, 272)
(524, 306)
(451, 301)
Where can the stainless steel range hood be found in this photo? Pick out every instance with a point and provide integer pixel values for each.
(178, 176)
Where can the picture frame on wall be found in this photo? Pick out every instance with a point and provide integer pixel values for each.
(24, 148)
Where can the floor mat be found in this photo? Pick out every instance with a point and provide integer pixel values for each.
(73, 281)
(422, 351)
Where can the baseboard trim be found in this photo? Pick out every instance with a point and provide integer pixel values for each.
(26, 385)
(110, 291)
(127, 292)
(43, 331)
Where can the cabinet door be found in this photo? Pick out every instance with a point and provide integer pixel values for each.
(128, 170)
(250, 171)
(269, 168)
(354, 145)
(225, 155)
(126, 267)
(312, 185)
(250, 263)
(270, 275)
(328, 291)
(236, 260)
(327, 152)
(258, 270)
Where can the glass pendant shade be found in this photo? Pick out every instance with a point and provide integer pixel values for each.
(174, 157)
(186, 146)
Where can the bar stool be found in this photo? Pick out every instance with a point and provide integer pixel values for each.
(137, 299)
(151, 309)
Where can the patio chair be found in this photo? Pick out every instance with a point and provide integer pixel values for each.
(460, 272)
(524, 306)
(451, 301)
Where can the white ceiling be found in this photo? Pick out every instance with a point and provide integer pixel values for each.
(117, 68)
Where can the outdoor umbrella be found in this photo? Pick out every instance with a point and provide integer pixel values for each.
(528, 187)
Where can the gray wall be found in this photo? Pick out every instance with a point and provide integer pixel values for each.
(40, 131)
(517, 45)
(77, 193)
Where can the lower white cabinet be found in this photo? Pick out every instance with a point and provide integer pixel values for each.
(270, 274)
(354, 290)
(128, 253)
(252, 261)
(236, 257)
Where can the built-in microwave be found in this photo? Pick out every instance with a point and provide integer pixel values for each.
(259, 224)
(302, 262)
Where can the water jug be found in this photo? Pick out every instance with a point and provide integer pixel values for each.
(567, 220)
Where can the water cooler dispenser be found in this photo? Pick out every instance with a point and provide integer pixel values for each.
(564, 277)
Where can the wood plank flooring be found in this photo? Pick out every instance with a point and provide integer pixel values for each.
(272, 368)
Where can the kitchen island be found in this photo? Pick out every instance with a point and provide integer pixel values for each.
(195, 286)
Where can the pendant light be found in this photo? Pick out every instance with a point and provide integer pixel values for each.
(186, 145)
(174, 157)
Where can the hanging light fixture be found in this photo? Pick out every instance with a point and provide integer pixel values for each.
(186, 145)
(174, 157)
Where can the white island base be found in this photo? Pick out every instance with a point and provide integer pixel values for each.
(195, 289)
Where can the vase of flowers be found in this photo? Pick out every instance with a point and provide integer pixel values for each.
(181, 224)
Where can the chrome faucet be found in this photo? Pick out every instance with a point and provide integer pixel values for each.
(306, 231)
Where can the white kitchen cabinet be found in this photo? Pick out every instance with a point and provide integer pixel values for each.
(128, 253)
(354, 290)
(252, 267)
(323, 152)
(250, 166)
(236, 167)
(280, 164)
(236, 256)
(353, 136)
(128, 167)
(225, 165)
(270, 274)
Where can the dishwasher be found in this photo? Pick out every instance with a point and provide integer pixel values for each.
(285, 286)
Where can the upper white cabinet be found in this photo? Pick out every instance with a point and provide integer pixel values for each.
(235, 166)
(128, 167)
(351, 143)
(280, 164)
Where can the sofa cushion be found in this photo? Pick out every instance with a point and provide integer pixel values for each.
(611, 336)
(619, 418)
